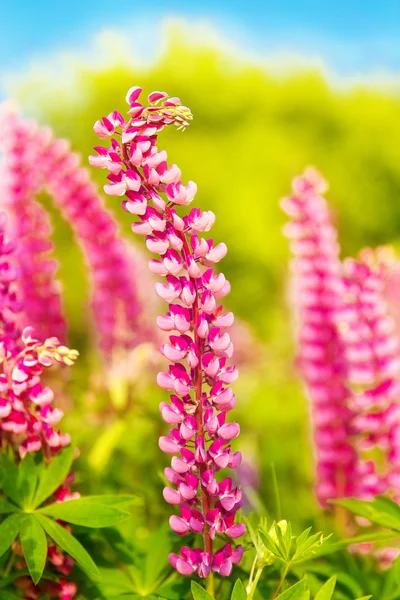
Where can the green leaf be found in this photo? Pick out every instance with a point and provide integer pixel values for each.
(302, 537)
(9, 529)
(86, 513)
(238, 592)
(53, 475)
(332, 547)
(364, 598)
(380, 511)
(307, 546)
(158, 546)
(326, 592)
(27, 481)
(114, 582)
(70, 545)
(281, 541)
(271, 545)
(174, 590)
(296, 592)
(199, 593)
(9, 479)
(34, 546)
(110, 499)
(7, 507)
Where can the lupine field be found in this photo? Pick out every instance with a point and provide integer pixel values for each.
(199, 334)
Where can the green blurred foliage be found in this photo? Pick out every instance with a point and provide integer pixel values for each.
(252, 133)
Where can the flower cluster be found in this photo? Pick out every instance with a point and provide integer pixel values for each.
(349, 351)
(372, 355)
(38, 286)
(35, 161)
(317, 295)
(199, 344)
(28, 418)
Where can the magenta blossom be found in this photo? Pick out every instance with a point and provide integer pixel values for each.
(317, 296)
(35, 161)
(199, 345)
(28, 419)
(372, 352)
(29, 422)
(349, 352)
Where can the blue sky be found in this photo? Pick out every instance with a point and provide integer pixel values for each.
(352, 37)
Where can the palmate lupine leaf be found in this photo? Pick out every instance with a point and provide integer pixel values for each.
(30, 483)
(70, 545)
(280, 542)
(271, 545)
(307, 546)
(34, 546)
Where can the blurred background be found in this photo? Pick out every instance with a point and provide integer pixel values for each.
(273, 86)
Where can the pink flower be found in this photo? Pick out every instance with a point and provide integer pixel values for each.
(349, 351)
(199, 344)
(35, 161)
(317, 293)
(27, 416)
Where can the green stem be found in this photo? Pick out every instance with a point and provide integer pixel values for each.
(210, 584)
(281, 581)
(9, 565)
(253, 566)
(251, 592)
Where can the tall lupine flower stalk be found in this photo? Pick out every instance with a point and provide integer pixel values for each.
(372, 354)
(199, 345)
(349, 352)
(21, 182)
(28, 418)
(36, 161)
(317, 298)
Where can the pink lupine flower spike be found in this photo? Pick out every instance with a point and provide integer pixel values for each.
(28, 419)
(199, 344)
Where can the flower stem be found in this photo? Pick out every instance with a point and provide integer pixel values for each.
(9, 565)
(254, 584)
(210, 584)
(281, 581)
